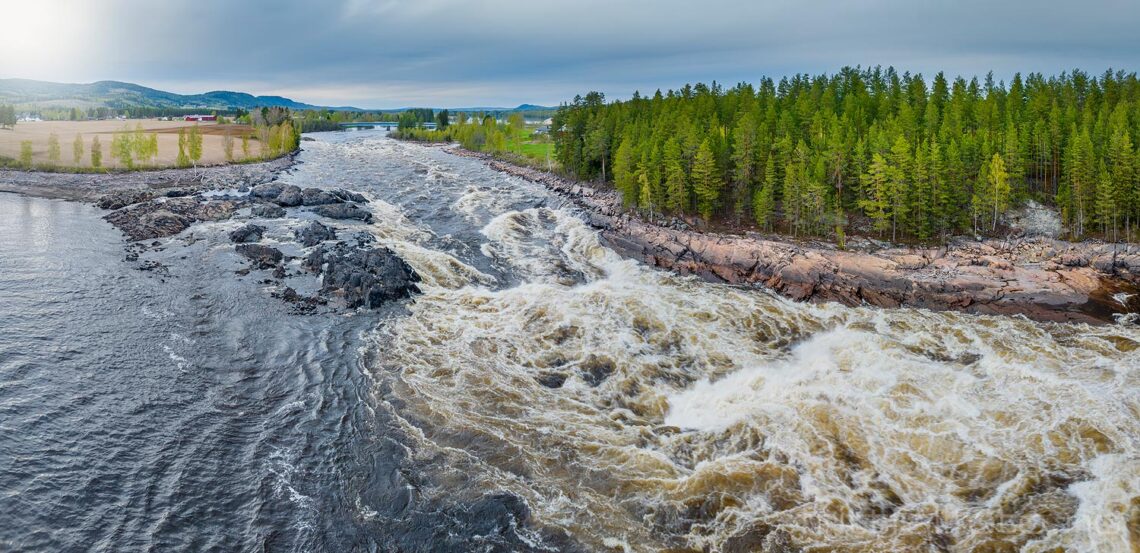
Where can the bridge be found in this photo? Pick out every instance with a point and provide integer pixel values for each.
(379, 124)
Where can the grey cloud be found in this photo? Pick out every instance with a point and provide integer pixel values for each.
(388, 53)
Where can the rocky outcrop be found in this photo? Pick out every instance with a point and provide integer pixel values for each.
(344, 211)
(362, 277)
(314, 233)
(293, 196)
(1041, 278)
(146, 214)
(262, 257)
(160, 217)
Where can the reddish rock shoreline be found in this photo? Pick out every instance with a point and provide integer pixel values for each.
(1040, 278)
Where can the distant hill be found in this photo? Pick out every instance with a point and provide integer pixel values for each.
(26, 93)
(120, 95)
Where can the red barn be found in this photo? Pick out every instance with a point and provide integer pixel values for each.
(201, 117)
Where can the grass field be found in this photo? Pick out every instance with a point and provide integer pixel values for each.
(536, 147)
(38, 132)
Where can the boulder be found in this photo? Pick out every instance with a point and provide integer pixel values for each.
(289, 197)
(314, 234)
(347, 196)
(267, 191)
(344, 211)
(316, 196)
(247, 233)
(268, 211)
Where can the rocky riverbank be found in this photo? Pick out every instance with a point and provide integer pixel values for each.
(1041, 278)
(91, 186)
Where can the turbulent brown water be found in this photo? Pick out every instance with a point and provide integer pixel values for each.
(637, 410)
(694, 416)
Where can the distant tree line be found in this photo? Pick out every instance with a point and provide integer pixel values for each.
(917, 159)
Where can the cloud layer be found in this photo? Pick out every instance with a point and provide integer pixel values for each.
(391, 53)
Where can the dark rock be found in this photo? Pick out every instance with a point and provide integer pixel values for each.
(267, 191)
(314, 234)
(123, 198)
(551, 380)
(290, 197)
(316, 196)
(247, 233)
(596, 369)
(262, 257)
(363, 238)
(178, 193)
(344, 211)
(267, 211)
(347, 196)
(363, 277)
(161, 217)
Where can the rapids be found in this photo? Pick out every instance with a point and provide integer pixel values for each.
(645, 411)
(635, 410)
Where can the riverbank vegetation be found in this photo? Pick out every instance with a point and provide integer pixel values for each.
(892, 155)
(513, 139)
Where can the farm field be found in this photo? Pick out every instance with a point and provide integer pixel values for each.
(38, 132)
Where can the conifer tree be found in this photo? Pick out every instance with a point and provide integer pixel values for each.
(623, 169)
(706, 181)
(764, 200)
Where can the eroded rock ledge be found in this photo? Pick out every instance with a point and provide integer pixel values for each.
(1040, 278)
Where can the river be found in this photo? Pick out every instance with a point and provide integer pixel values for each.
(542, 394)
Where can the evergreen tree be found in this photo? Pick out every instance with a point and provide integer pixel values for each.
(676, 182)
(998, 188)
(706, 180)
(877, 204)
(743, 161)
(764, 200)
(624, 178)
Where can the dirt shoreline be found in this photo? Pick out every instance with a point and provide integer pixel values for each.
(91, 186)
(1040, 278)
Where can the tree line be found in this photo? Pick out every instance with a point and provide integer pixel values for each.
(870, 149)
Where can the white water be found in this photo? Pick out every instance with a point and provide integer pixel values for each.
(699, 417)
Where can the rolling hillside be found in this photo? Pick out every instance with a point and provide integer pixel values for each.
(117, 95)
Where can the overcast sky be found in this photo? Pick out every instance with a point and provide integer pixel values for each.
(395, 53)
